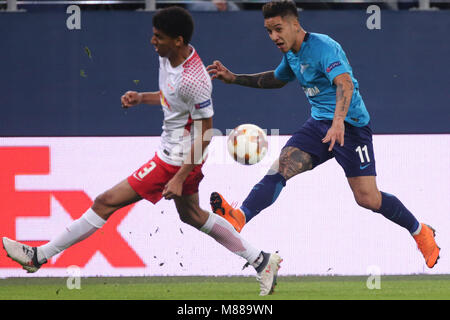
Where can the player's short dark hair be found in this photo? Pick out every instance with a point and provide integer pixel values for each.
(281, 8)
(174, 21)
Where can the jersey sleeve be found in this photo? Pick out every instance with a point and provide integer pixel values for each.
(196, 93)
(284, 72)
(334, 62)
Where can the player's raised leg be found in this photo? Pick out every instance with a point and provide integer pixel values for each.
(32, 258)
(292, 161)
(368, 196)
(265, 264)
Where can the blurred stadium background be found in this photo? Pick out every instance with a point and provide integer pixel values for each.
(64, 138)
(225, 5)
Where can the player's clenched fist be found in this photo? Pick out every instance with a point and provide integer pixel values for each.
(218, 70)
(130, 99)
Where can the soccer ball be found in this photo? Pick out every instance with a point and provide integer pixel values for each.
(247, 144)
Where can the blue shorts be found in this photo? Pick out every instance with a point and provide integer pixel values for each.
(356, 157)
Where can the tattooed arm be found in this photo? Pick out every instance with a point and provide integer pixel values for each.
(264, 80)
(344, 93)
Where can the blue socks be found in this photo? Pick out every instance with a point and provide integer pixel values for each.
(394, 210)
(265, 192)
(263, 195)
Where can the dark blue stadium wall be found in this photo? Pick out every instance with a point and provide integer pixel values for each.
(49, 86)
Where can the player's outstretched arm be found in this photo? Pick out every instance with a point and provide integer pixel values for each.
(263, 80)
(133, 98)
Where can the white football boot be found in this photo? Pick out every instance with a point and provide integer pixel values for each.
(23, 254)
(267, 278)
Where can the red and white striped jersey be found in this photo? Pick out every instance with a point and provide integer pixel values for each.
(185, 93)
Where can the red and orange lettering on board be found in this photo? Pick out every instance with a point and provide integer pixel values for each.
(15, 161)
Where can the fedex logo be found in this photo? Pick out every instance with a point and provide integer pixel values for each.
(18, 207)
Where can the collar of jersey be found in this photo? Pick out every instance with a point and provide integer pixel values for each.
(181, 65)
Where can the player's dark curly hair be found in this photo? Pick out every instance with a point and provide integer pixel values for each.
(279, 8)
(174, 21)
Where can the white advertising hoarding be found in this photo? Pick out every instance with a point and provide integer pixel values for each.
(315, 224)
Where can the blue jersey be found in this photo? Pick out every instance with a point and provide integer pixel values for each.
(315, 66)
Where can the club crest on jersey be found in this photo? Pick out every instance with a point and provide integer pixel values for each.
(333, 65)
(303, 67)
(203, 104)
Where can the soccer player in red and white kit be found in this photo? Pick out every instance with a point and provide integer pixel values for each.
(175, 170)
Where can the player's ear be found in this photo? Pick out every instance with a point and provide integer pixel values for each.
(296, 24)
(179, 41)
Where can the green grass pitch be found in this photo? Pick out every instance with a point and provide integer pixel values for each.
(436, 287)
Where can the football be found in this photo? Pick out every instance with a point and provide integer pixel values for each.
(247, 144)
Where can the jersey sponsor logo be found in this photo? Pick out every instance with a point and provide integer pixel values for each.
(333, 65)
(203, 104)
(311, 92)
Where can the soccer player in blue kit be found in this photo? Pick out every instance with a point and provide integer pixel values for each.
(339, 126)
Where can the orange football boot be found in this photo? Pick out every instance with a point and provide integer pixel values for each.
(220, 207)
(427, 245)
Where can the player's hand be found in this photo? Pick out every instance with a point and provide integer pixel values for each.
(173, 188)
(130, 99)
(218, 71)
(335, 134)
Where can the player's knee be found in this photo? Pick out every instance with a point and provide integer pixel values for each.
(292, 161)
